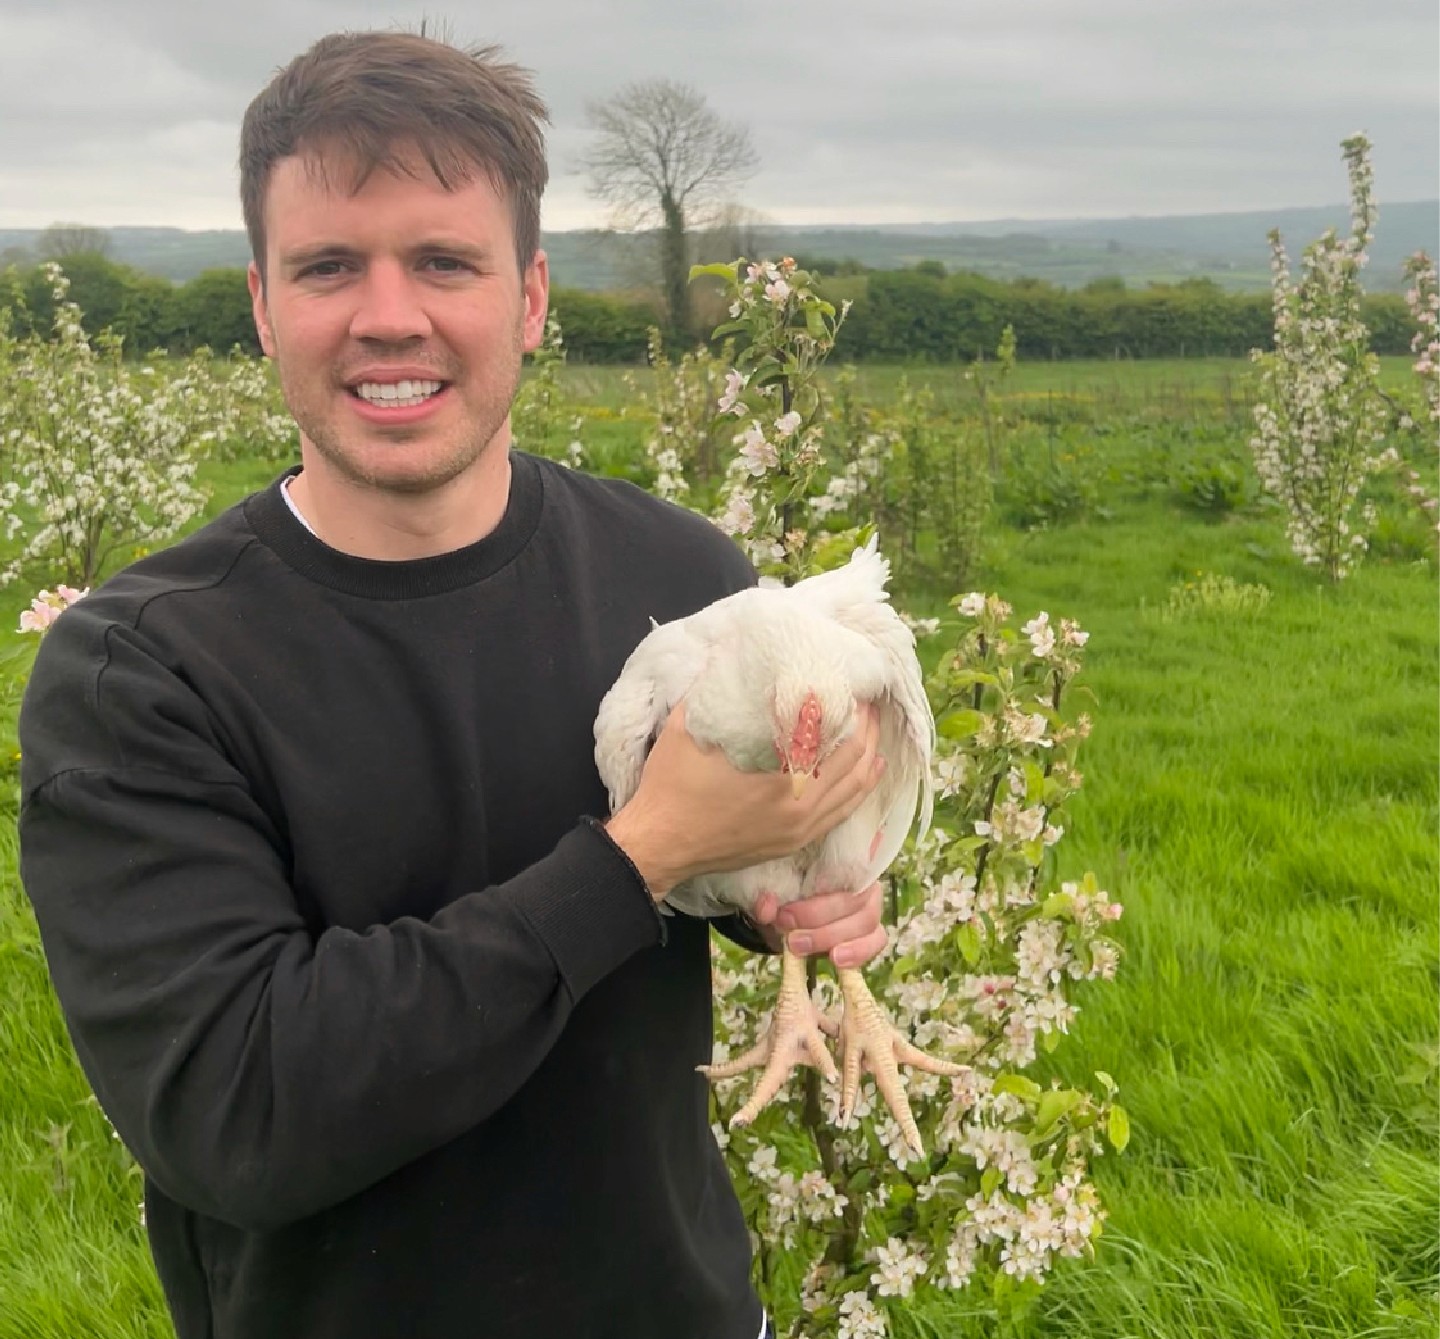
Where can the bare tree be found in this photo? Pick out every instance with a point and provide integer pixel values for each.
(661, 159)
(72, 239)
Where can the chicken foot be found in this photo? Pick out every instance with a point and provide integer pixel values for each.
(793, 1038)
(871, 1043)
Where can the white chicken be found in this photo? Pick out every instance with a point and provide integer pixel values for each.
(773, 676)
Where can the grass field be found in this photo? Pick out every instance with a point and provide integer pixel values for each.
(1261, 794)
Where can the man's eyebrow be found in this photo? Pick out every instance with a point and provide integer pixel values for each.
(309, 255)
(451, 247)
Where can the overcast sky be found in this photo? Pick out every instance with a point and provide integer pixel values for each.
(863, 111)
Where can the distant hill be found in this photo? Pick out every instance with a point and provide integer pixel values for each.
(1228, 248)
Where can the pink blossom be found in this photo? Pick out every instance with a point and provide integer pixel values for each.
(46, 607)
(734, 384)
(758, 454)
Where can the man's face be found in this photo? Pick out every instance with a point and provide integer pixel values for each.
(371, 299)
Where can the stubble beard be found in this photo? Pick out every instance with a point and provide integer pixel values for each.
(479, 427)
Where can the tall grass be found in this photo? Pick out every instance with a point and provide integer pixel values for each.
(1261, 793)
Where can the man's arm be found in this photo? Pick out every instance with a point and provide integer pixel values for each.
(260, 1068)
(261, 1072)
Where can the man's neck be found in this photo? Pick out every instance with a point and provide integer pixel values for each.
(390, 526)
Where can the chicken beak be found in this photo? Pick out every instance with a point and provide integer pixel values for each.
(798, 782)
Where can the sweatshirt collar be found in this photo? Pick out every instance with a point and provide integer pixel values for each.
(279, 529)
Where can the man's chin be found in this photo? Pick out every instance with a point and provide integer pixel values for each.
(398, 467)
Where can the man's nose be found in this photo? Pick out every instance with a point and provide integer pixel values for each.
(390, 305)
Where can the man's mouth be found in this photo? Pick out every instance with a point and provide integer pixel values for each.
(396, 394)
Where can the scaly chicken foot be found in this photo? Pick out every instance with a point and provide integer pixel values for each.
(871, 1043)
(793, 1038)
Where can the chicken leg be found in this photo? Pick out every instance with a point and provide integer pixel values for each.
(871, 1043)
(793, 1038)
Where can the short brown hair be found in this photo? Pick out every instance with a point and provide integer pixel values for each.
(373, 99)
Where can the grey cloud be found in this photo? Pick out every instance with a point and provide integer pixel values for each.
(906, 109)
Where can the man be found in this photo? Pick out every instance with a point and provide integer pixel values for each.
(393, 1028)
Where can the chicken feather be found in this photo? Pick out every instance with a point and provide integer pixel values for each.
(749, 668)
(724, 663)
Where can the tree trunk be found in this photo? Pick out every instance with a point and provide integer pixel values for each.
(675, 274)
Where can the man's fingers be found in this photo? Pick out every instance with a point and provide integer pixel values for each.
(820, 909)
(857, 952)
(828, 920)
(860, 928)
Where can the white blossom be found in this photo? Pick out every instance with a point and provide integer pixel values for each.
(897, 1267)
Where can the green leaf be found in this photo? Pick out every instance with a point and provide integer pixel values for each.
(967, 678)
(1050, 1041)
(728, 271)
(990, 1181)
(967, 940)
(1118, 1128)
(1058, 904)
(1003, 1286)
(1034, 781)
(965, 845)
(1027, 1090)
(806, 402)
(1107, 1082)
(901, 1192)
(960, 724)
(1055, 1104)
(1055, 790)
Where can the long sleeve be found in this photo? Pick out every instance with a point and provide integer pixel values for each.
(258, 1069)
(395, 1032)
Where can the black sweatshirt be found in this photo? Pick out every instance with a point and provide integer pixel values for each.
(396, 1034)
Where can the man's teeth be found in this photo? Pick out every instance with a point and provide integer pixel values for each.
(400, 394)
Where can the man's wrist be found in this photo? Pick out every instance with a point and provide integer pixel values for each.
(631, 837)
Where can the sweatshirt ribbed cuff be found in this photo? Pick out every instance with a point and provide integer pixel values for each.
(590, 907)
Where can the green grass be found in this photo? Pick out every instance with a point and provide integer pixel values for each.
(1110, 382)
(1261, 794)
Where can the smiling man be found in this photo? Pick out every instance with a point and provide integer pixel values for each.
(397, 314)
(311, 821)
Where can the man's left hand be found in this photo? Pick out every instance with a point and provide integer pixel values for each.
(845, 925)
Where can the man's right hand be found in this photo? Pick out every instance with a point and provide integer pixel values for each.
(693, 813)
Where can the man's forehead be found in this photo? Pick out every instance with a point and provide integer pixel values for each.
(343, 169)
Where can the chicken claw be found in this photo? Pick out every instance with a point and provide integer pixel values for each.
(793, 1038)
(869, 1041)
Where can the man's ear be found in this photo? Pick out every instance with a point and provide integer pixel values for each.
(259, 310)
(535, 283)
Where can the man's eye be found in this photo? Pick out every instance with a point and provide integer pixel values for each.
(321, 269)
(445, 264)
